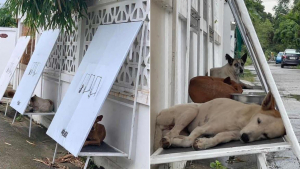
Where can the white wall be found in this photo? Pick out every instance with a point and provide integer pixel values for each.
(117, 118)
(169, 70)
(7, 45)
(228, 38)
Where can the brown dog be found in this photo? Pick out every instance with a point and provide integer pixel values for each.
(97, 134)
(204, 88)
(223, 119)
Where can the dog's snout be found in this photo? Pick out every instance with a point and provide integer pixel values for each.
(241, 70)
(245, 138)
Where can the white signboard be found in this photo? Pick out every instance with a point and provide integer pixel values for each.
(34, 70)
(12, 63)
(91, 84)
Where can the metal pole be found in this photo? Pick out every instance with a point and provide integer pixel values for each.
(54, 155)
(136, 92)
(14, 118)
(30, 125)
(6, 108)
(244, 33)
(87, 162)
(187, 54)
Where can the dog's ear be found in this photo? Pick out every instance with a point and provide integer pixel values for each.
(269, 102)
(229, 58)
(99, 118)
(244, 57)
(227, 80)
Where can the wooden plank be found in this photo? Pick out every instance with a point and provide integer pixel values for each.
(91, 84)
(12, 63)
(34, 70)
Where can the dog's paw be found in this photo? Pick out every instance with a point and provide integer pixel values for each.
(202, 143)
(166, 143)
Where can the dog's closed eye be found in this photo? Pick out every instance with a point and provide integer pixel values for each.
(258, 121)
(242, 64)
(236, 65)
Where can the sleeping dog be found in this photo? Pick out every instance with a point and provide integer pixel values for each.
(223, 119)
(38, 104)
(233, 69)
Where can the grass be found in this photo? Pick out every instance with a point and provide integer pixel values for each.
(248, 76)
(248, 62)
(297, 67)
(19, 118)
(297, 97)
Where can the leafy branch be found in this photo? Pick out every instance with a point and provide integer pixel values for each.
(48, 14)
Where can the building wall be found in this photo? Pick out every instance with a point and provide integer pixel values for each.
(65, 60)
(229, 31)
(171, 66)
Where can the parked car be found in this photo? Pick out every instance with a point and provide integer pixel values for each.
(279, 57)
(290, 57)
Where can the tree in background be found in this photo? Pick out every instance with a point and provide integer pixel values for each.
(6, 19)
(262, 22)
(48, 14)
(279, 32)
(287, 26)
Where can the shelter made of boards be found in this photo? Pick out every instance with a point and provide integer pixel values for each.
(107, 57)
(191, 37)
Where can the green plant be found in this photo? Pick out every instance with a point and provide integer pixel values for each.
(217, 165)
(248, 76)
(48, 14)
(19, 118)
(6, 19)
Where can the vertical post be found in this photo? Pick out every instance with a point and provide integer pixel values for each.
(200, 40)
(87, 162)
(261, 161)
(14, 118)
(6, 107)
(169, 64)
(251, 51)
(187, 55)
(30, 123)
(132, 134)
(175, 25)
(54, 155)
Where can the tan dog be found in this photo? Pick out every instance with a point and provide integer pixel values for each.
(97, 134)
(224, 119)
(38, 104)
(203, 88)
(233, 69)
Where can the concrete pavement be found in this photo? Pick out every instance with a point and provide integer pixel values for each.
(17, 150)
